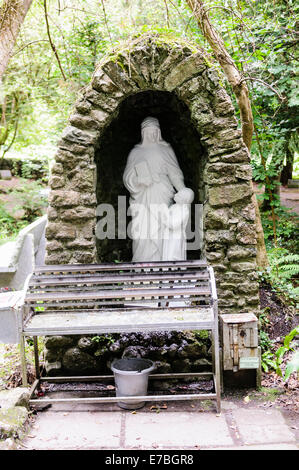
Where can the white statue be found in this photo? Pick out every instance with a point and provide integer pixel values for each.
(152, 176)
(175, 222)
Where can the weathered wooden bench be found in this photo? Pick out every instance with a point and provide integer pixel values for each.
(118, 298)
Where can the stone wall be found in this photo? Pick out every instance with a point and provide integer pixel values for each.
(171, 351)
(219, 162)
(154, 63)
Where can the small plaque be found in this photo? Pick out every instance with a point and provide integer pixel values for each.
(249, 363)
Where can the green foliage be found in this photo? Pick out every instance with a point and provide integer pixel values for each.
(33, 200)
(103, 340)
(267, 361)
(10, 227)
(293, 364)
(282, 273)
(287, 228)
(266, 344)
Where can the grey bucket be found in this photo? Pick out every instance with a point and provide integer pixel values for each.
(131, 379)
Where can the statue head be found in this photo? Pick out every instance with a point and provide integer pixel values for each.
(150, 130)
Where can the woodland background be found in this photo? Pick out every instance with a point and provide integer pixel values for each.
(55, 48)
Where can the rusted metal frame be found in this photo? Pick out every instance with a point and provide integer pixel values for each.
(34, 386)
(155, 398)
(24, 315)
(87, 307)
(121, 294)
(36, 358)
(203, 325)
(109, 329)
(104, 278)
(110, 288)
(97, 378)
(121, 307)
(215, 333)
(121, 310)
(23, 360)
(118, 266)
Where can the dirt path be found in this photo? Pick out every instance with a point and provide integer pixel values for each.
(289, 197)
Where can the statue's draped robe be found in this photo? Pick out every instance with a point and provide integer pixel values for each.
(174, 240)
(146, 228)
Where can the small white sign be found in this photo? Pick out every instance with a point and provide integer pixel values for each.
(249, 363)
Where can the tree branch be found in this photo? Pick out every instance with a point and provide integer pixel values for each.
(51, 42)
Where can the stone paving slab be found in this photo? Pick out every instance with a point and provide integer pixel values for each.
(75, 430)
(172, 429)
(262, 426)
(110, 428)
(260, 447)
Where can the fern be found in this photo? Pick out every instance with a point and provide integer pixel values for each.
(288, 266)
(290, 258)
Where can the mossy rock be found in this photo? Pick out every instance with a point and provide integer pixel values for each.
(12, 421)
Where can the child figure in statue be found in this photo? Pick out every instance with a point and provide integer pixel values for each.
(175, 223)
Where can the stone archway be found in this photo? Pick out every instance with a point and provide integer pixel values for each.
(154, 64)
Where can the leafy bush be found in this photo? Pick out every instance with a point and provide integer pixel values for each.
(10, 227)
(282, 273)
(293, 364)
(287, 228)
(34, 200)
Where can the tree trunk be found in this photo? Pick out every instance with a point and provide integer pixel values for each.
(242, 96)
(12, 15)
(287, 171)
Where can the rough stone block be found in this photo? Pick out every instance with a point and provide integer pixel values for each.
(66, 232)
(54, 245)
(78, 213)
(76, 360)
(77, 136)
(239, 252)
(244, 172)
(249, 212)
(217, 218)
(229, 194)
(119, 76)
(246, 233)
(52, 213)
(220, 236)
(242, 266)
(12, 421)
(57, 182)
(18, 396)
(79, 243)
(58, 342)
(64, 198)
(101, 82)
(194, 64)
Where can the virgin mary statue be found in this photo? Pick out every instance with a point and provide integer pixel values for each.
(152, 176)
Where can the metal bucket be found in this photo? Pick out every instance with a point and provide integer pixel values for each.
(131, 379)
